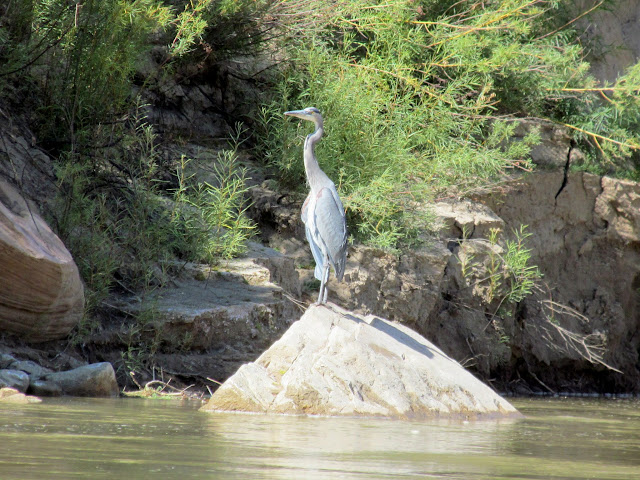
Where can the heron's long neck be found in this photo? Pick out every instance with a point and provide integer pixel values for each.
(314, 174)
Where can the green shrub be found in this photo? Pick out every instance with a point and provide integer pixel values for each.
(417, 94)
(115, 210)
(214, 215)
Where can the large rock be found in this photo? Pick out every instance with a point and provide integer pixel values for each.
(332, 362)
(210, 320)
(15, 379)
(95, 380)
(42, 296)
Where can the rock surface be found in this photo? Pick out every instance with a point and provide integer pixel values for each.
(332, 362)
(95, 380)
(402, 288)
(15, 379)
(42, 297)
(210, 320)
(612, 33)
(11, 395)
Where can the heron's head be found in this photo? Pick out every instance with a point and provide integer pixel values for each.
(310, 113)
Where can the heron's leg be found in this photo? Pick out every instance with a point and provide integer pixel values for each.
(323, 282)
(326, 281)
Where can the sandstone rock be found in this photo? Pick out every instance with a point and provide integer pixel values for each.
(95, 380)
(619, 206)
(223, 310)
(554, 145)
(42, 296)
(236, 304)
(14, 379)
(11, 395)
(466, 219)
(332, 362)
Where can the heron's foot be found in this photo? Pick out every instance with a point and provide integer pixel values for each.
(320, 302)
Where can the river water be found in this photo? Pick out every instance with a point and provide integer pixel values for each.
(135, 439)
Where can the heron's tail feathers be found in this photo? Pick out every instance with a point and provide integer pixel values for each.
(317, 272)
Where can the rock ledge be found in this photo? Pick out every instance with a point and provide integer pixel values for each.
(333, 362)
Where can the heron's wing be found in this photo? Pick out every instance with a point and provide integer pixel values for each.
(317, 254)
(331, 225)
(304, 214)
(309, 229)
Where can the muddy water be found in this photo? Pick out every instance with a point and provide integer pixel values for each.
(132, 438)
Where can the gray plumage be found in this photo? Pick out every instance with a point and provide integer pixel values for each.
(322, 213)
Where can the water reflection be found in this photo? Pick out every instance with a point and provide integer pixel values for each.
(132, 438)
(300, 447)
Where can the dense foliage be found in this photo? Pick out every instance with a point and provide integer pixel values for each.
(421, 96)
(123, 210)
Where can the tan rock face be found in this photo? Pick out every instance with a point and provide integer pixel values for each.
(333, 362)
(41, 294)
(11, 395)
(404, 288)
(619, 206)
(613, 28)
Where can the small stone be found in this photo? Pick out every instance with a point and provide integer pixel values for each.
(16, 379)
(6, 360)
(95, 380)
(11, 395)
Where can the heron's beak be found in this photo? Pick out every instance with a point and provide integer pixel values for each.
(298, 113)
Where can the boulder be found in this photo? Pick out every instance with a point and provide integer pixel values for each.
(95, 380)
(6, 360)
(42, 296)
(333, 362)
(15, 379)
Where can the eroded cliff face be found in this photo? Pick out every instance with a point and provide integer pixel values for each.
(585, 242)
(579, 330)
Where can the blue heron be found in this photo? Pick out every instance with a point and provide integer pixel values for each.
(322, 212)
